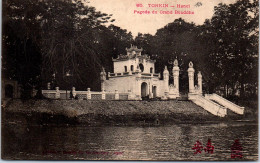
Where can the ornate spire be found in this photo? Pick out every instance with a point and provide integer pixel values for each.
(165, 70)
(199, 74)
(190, 65)
(175, 63)
(103, 72)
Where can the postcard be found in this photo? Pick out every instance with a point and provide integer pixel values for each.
(144, 80)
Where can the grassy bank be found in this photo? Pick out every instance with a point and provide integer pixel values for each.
(110, 112)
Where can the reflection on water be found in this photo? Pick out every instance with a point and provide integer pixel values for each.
(173, 142)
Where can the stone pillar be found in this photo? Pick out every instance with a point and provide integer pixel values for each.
(176, 72)
(103, 95)
(166, 74)
(166, 79)
(57, 95)
(116, 95)
(48, 85)
(73, 92)
(191, 77)
(89, 94)
(200, 82)
(150, 87)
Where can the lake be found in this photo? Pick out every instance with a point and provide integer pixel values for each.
(171, 142)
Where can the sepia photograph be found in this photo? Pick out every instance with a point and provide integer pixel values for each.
(130, 80)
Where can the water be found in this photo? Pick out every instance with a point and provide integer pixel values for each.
(173, 142)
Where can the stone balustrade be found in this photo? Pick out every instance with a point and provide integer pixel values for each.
(111, 75)
(89, 95)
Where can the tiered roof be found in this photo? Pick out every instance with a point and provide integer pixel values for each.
(132, 52)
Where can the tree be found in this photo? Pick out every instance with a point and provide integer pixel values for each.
(175, 40)
(69, 31)
(232, 33)
(21, 55)
(44, 40)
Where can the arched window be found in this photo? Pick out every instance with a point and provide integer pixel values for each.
(132, 68)
(141, 67)
(125, 68)
(151, 70)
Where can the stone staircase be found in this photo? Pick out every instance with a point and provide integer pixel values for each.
(215, 104)
(226, 103)
(208, 105)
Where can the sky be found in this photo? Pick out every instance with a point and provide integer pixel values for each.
(123, 13)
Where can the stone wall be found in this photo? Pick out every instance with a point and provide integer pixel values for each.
(119, 67)
(122, 84)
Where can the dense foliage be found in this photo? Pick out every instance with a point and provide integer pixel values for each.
(67, 43)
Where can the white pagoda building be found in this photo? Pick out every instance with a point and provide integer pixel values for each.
(134, 73)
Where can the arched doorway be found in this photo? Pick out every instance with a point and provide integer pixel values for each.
(144, 88)
(154, 91)
(141, 66)
(9, 91)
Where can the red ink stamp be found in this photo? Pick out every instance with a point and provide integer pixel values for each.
(198, 147)
(236, 149)
(209, 148)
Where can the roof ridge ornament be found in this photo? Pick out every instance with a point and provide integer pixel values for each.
(134, 48)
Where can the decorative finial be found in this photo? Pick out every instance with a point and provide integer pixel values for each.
(190, 65)
(175, 62)
(165, 70)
